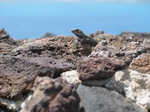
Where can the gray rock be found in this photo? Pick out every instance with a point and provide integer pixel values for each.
(97, 99)
(135, 86)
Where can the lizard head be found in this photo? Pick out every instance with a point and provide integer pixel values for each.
(77, 32)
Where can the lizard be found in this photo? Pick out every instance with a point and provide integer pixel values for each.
(84, 38)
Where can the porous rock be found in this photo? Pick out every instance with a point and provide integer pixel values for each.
(18, 69)
(48, 54)
(135, 86)
(73, 45)
(98, 68)
(97, 99)
(104, 49)
(16, 74)
(71, 77)
(51, 95)
(66, 41)
(120, 49)
(141, 63)
(115, 40)
(6, 48)
(131, 50)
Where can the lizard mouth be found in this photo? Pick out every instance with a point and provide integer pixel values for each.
(76, 31)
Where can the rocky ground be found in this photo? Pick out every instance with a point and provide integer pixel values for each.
(62, 74)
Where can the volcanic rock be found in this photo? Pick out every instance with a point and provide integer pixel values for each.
(109, 45)
(71, 77)
(140, 35)
(135, 86)
(141, 63)
(18, 69)
(120, 49)
(73, 45)
(103, 49)
(6, 48)
(138, 88)
(131, 51)
(47, 53)
(114, 40)
(66, 41)
(16, 74)
(117, 68)
(97, 99)
(51, 95)
(98, 68)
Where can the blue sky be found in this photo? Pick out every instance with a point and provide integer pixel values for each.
(33, 18)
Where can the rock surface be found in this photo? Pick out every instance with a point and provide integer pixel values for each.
(97, 99)
(73, 45)
(119, 47)
(51, 95)
(137, 88)
(98, 68)
(61, 63)
(49, 54)
(40, 58)
(71, 77)
(133, 85)
(140, 35)
(141, 63)
(6, 48)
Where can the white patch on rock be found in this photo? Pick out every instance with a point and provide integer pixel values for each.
(23, 104)
(12, 105)
(71, 77)
(135, 86)
(145, 100)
